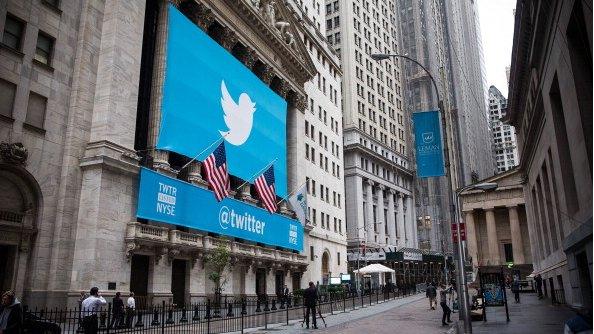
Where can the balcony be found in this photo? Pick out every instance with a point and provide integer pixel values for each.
(158, 241)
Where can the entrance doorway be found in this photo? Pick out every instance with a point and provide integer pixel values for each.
(581, 260)
(325, 268)
(139, 273)
(296, 281)
(261, 282)
(279, 280)
(7, 257)
(178, 281)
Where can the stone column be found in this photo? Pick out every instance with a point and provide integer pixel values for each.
(413, 223)
(390, 219)
(194, 175)
(250, 281)
(471, 237)
(197, 280)
(369, 225)
(270, 280)
(492, 237)
(381, 219)
(400, 221)
(516, 234)
(160, 280)
(160, 158)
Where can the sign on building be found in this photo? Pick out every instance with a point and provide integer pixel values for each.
(462, 232)
(208, 95)
(169, 200)
(429, 149)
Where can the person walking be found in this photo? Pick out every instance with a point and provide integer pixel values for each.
(515, 288)
(538, 280)
(11, 314)
(117, 311)
(431, 293)
(90, 306)
(443, 296)
(310, 296)
(130, 310)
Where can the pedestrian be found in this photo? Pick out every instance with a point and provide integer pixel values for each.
(538, 280)
(431, 293)
(11, 314)
(286, 294)
(444, 306)
(515, 288)
(310, 296)
(117, 311)
(90, 306)
(130, 310)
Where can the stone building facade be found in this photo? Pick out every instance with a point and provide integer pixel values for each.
(496, 224)
(80, 112)
(319, 145)
(378, 173)
(550, 104)
(505, 146)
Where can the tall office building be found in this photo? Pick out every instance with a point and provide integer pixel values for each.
(319, 151)
(505, 148)
(473, 144)
(444, 36)
(378, 173)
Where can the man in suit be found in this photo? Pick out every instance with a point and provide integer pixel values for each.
(310, 296)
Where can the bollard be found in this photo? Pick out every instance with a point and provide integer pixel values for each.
(344, 302)
(170, 317)
(258, 309)
(196, 316)
(155, 321)
(102, 319)
(282, 305)
(331, 310)
(230, 310)
(183, 318)
(207, 316)
(266, 308)
(243, 308)
(289, 302)
(139, 322)
(273, 305)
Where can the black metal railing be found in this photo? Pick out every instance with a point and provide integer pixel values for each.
(232, 314)
(558, 296)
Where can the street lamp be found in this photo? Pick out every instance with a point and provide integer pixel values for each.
(462, 291)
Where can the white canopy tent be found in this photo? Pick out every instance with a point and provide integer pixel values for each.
(378, 269)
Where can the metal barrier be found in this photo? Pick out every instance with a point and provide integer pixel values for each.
(231, 315)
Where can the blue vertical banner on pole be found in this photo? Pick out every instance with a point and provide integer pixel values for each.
(428, 144)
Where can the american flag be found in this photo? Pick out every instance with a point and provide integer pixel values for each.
(216, 172)
(265, 187)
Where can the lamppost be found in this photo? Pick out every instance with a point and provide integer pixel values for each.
(461, 281)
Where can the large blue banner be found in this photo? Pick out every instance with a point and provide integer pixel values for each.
(208, 94)
(168, 200)
(428, 144)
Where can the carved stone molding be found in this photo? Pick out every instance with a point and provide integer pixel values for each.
(228, 38)
(13, 153)
(298, 101)
(248, 57)
(201, 15)
(282, 88)
(267, 74)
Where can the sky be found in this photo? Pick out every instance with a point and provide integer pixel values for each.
(497, 30)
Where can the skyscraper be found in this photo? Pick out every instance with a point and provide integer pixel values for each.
(505, 148)
(319, 151)
(444, 36)
(378, 172)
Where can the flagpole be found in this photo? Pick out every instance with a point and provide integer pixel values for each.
(204, 150)
(291, 193)
(257, 173)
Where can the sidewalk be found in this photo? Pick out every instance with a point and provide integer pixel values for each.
(530, 316)
(410, 313)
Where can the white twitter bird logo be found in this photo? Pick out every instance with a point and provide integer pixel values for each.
(238, 117)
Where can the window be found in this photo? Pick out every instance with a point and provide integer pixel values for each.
(36, 110)
(338, 257)
(13, 32)
(7, 92)
(311, 253)
(43, 50)
(509, 253)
